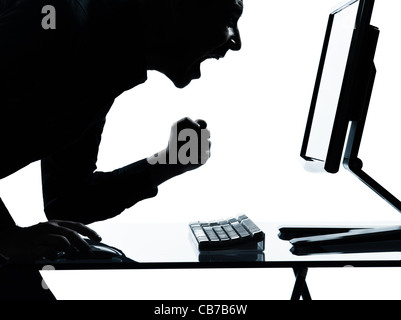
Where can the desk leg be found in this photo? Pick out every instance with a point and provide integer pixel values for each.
(23, 285)
(300, 287)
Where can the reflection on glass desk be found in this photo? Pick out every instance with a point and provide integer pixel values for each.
(171, 245)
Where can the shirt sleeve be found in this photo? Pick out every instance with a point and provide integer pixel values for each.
(74, 190)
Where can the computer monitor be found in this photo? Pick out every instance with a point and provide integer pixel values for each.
(333, 103)
(342, 95)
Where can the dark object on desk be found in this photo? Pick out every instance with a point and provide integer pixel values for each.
(386, 239)
(240, 234)
(101, 253)
(289, 233)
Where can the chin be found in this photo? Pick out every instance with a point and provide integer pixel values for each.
(184, 78)
(184, 81)
(181, 84)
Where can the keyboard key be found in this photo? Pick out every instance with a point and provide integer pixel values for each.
(241, 230)
(232, 220)
(230, 232)
(221, 234)
(211, 234)
(252, 228)
(200, 235)
(213, 223)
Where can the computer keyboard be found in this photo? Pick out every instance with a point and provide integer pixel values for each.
(239, 233)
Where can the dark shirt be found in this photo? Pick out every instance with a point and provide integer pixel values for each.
(56, 88)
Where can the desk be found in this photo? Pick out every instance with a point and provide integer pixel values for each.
(170, 246)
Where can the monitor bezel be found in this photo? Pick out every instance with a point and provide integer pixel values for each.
(345, 110)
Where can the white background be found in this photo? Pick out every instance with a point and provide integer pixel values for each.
(256, 102)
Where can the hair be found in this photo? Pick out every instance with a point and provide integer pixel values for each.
(163, 17)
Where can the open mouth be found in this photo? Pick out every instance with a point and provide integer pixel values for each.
(215, 56)
(212, 56)
(195, 69)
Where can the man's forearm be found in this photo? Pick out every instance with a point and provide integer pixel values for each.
(102, 195)
(160, 171)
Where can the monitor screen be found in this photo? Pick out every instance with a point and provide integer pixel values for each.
(328, 116)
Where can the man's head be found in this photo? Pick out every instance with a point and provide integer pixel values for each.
(181, 34)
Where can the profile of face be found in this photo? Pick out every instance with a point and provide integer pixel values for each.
(203, 30)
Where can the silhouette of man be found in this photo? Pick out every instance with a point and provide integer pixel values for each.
(60, 72)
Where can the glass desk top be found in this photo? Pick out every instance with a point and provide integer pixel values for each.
(170, 245)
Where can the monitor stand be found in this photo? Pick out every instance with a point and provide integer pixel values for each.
(353, 241)
(366, 78)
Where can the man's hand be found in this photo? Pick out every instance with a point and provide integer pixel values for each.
(188, 149)
(46, 240)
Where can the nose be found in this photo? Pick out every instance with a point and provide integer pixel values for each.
(235, 39)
